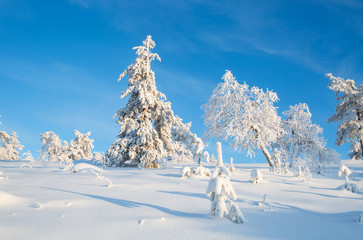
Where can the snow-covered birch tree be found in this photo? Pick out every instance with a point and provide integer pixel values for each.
(349, 112)
(304, 140)
(149, 130)
(244, 116)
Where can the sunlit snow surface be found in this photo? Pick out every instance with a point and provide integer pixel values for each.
(49, 203)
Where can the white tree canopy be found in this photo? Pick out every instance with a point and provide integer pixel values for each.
(304, 140)
(243, 116)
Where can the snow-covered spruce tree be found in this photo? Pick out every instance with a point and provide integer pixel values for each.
(244, 116)
(220, 191)
(349, 112)
(149, 130)
(9, 146)
(81, 147)
(304, 140)
(53, 149)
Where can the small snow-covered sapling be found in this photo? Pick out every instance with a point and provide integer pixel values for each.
(220, 191)
(299, 173)
(256, 176)
(232, 169)
(344, 170)
(186, 172)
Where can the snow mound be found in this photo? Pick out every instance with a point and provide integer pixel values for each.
(85, 167)
(7, 199)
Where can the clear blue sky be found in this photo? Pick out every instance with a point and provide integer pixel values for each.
(60, 60)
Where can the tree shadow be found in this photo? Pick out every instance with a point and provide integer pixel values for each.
(189, 194)
(323, 195)
(134, 204)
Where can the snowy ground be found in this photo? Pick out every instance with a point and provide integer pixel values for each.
(49, 203)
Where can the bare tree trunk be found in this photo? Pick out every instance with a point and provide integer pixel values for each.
(267, 155)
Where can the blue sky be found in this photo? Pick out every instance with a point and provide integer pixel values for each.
(60, 60)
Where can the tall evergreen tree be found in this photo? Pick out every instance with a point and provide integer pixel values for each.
(349, 112)
(149, 130)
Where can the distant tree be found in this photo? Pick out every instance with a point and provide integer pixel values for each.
(349, 112)
(149, 130)
(304, 140)
(81, 147)
(53, 149)
(9, 146)
(243, 116)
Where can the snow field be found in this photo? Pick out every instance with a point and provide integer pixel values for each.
(49, 203)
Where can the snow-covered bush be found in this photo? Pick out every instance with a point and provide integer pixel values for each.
(53, 148)
(206, 156)
(186, 172)
(81, 147)
(9, 146)
(149, 130)
(231, 168)
(256, 176)
(344, 170)
(29, 158)
(243, 116)
(98, 157)
(276, 158)
(212, 159)
(349, 112)
(299, 173)
(220, 191)
(201, 171)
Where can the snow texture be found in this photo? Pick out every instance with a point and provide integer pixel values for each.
(79, 206)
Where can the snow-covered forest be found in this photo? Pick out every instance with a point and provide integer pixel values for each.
(231, 120)
(152, 136)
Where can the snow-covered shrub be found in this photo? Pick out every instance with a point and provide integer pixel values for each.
(244, 116)
(98, 157)
(53, 148)
(265, 202)
(186, 172)
(149, 130)
(256, 176)
(349, 112)
(9, 146)
(212, 159)
(201, 171)
(206, 156)
(220, 191)
(276, 158)
(85, 167)
(299, 173)
(231, 168)
(344, 170)
(81, 147)
(29, 158)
